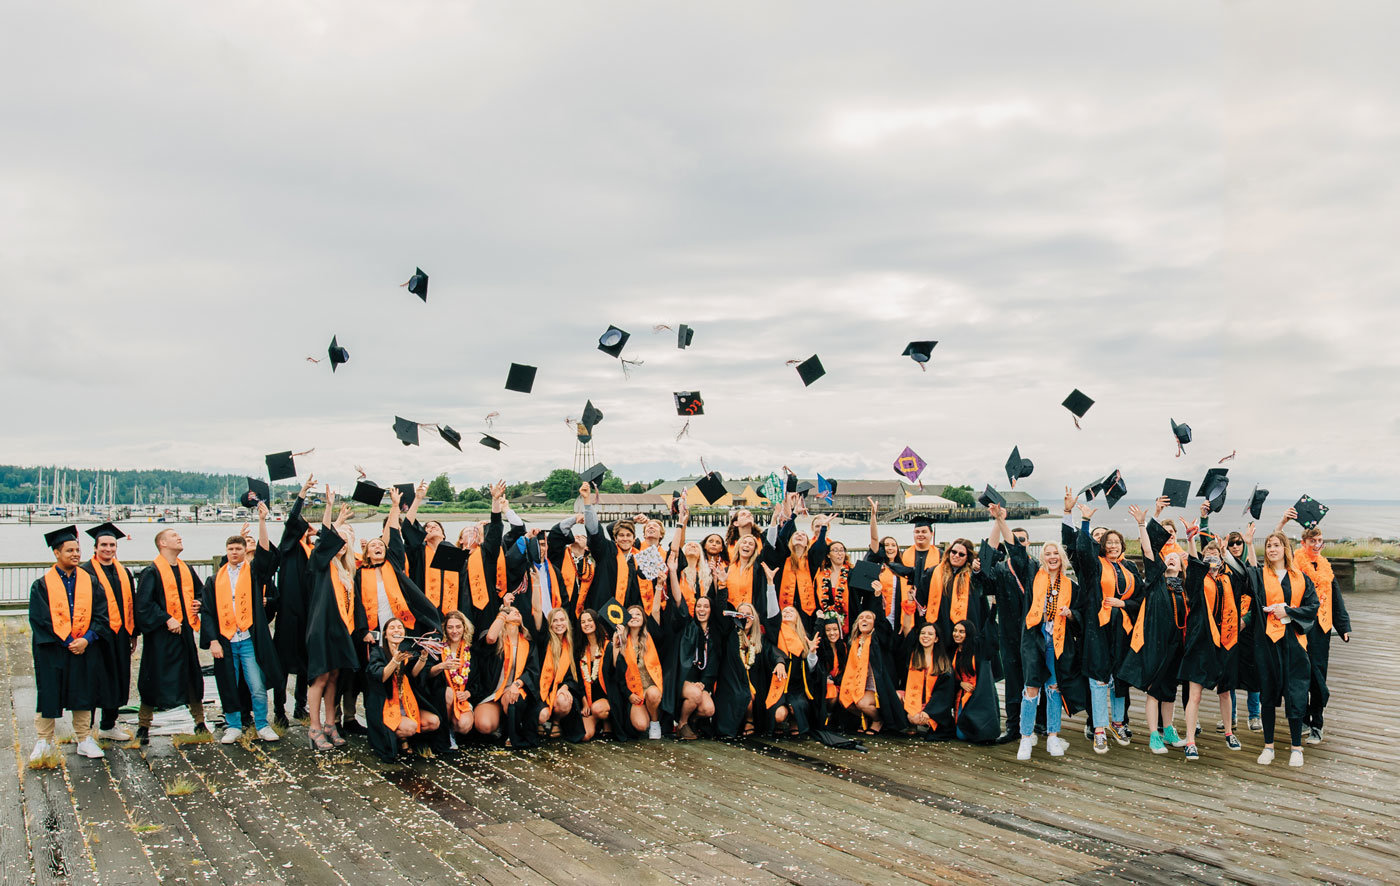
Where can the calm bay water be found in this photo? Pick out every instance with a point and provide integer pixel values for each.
(1347, 519)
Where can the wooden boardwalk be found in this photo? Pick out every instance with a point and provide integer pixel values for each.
(708, 812)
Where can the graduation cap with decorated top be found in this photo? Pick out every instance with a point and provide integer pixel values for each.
(417, 284)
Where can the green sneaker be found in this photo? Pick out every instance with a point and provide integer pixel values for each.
(1171, 738)
(1156, 744)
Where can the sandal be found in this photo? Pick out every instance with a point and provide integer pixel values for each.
(334, 735)
(318, 741)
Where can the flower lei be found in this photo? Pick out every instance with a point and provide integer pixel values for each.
(748, 653)
(592, 664)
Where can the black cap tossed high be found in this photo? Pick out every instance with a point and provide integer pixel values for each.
(521, 378)
(990, 497)
(684, 335)
(1310, 511)
(450, 434)
(407, 493)
(406, 431)
(689, 403)
(448, 558)
(1176, 492)
(1213, 487)
(491, 442)
(1114, 488)
(106, 529)
(418, 284)
(1255, 506)
(258, 491)
(366, 493)
(810, 370)
(1182, 432)
(712, 487)
(280, 466)
(919, 351)
(591, 416)
(594, 475)
(337, 354)
(1017, 468)
(613, 341)
(59, 537)
(1078, 403)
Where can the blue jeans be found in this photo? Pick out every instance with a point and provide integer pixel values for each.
(1099, 699)
(1251, 700)
(1053, 706)
(245, 669)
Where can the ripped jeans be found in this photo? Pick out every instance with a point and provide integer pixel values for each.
(1099, 702)
(1053, 706)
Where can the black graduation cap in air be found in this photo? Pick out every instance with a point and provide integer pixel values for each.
(1114, 488)
(711, 486)
(919, 351)
(990, 496)
(689, 403)
(594, 475)
(57, 538)
(366, 493)
(491, 442)
(521, 378)
(406, 431)
(258, 491)
(1176, 491)
(449, 558)
(1310, 511)
(1255, 506)
(1182, 432)
(684, 336)
(591, 416)
(1213, 487)
(337, 354)
(450, 434)
(280, 466)
(864, 576)
(407, 493)
(791, 484)
(804, 487)
(613, 341)
(106, 529)
(1017, 468)
(1092, 489)
(810, 370)
(418, 284)
(1078, 403)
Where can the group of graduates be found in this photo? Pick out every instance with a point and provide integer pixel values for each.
(579, 630)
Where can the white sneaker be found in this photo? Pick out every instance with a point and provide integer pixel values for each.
(116, 733)
(1035, 739)
(231, 736)
(267, 733)
(654, 730)
(452, 742)
(41, 748)
(1024, 751)
(1314, 735)
(1056, 745)
(1266, 756)
(88, 748)
(1295, 757)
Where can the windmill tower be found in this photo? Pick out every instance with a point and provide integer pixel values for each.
(583, 450)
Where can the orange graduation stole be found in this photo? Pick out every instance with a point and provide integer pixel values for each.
(234, 617)
(649, 657)
(1228, 632)
(963, 694)
(343, 600)
(687, 592)
(837, 591)
(1108, 585)
(620, 589)
(1273, 593)
(114, 614)
(797, 585)
(1045, 597)
(789, 644)
(69, 625)
(369, 595)
(740, 584)
(552, 675)
(439, 585)
(392, 715)
(857, 666)
(476, 577)
(174, 594)
(918, 689)
(1316, 567)
(888, 582)
(513, 659)
(962, 583)
(578, 578)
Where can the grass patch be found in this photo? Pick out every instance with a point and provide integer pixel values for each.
(133, 745)
(180, 786)
(141, 826)
(52, 759)
(1360, 549)
(180, 741)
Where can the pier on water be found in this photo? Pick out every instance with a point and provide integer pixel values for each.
(752, 811)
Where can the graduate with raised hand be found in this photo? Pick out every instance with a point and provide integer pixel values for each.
(1102, 567)
(1008, 571)
(1153, 660)
(68, 626)
(235, 631)
(615, 569)
(569, 553)
(1287, 606)
(442, 587)
(869, 686)
(394, 693)
(915, 565)
(1051, 641)
(118, 589)
(1331, 617)
(486, 586)
(335, 623)
(294, 582)
(167, 615)
(894, 591)
(692, 624)
(797, 691)
(800, 556)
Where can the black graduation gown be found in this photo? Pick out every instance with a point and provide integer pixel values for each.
(1203, 661)
(426, 618)
(919, 575)
(118, 649)
(1069, 678)
(1319, 651)
(63, 680)
(1155, 666)
(738, 684)
(1002, 585)
(169, 662)
(978, 717)
(489, 552)
(884, 652)
(263, 648)
(1106, 644)
(382, 740)
(694, 656)
(615, 678)
(1284, 669)
(605, 576)
(520, 722)
(293, 594)
(805, 693)
(831, 659)
(329, 646)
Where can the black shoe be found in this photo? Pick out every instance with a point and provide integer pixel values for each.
(143, 734)
(281, 721)
(301, 713)
(1008, 736)
(201, 729)
(1088, 732)
(353, 727)
(1039, 730)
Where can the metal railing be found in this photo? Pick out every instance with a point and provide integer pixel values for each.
(16, 578)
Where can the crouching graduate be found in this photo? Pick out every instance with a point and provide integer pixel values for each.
(974, 695)
(797, 693)
(167, 615)
(455, 667)
(392, 694)
(237, 636)
(508, 680)
(640, 679)
(867, 682)
(68, 626)
(927, 708)
(118, 586)
(691, 625)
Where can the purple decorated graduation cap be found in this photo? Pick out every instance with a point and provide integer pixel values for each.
(909, 465)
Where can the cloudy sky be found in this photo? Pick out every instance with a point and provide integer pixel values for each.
(1188, 210)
